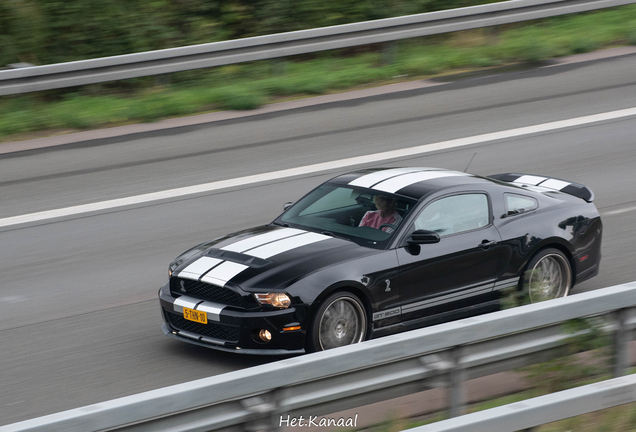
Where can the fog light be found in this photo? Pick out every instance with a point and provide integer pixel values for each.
(265, 335)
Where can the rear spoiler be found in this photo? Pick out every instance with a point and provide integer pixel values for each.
(570, 188)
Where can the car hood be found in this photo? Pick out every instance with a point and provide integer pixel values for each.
(265, 258)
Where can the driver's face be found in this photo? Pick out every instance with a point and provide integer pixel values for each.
(382, 203)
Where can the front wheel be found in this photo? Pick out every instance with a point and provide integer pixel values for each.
(340, 320)
(548, 276)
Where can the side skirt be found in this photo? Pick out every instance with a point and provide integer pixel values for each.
(465, 312)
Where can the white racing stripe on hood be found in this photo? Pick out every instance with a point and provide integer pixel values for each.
(530, 180)
(395, 184)
(261, 239)
(199, 267)
(369, 180)
(285, 245)
(218, 272)
(221, 274)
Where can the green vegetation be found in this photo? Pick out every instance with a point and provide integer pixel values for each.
(618, 419)
(585, 360)
(249, 85)
(50, 31)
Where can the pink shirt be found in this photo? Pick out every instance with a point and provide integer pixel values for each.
(374, 220)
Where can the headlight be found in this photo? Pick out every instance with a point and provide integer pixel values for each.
(172, 267)
(279, 300)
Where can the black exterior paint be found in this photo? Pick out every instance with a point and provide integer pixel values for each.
(399, 275)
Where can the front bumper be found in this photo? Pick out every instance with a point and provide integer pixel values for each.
(231, 329)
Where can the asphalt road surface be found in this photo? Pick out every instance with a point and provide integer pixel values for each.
(79, 319)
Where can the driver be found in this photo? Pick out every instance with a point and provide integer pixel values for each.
(385, 214)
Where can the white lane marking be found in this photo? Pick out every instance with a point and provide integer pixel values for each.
(285, 245)
(261, 239)
(197, 268)
(13, 299)
(614, 212)
(221, 274)
(394, 184)
(370, 179)
(554, 184)
(308, 169)
(530, 180)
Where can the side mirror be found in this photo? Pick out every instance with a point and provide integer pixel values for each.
(423, 237)
(287, 205)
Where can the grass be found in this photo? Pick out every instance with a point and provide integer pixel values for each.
(587, 363)
(250, 85)
(617, 419)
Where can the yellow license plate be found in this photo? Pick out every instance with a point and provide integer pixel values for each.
(196, 316)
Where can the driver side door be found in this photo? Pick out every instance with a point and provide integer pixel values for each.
(441, 277)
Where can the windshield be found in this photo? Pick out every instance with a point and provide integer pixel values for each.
(367, 217)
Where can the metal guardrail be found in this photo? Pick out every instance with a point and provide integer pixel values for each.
(541, 410)
(158, 62)
(339, 379)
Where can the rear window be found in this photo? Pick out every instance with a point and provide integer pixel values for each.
(516, 204)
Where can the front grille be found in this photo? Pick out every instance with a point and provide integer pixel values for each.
(204, 291)
(212, 330)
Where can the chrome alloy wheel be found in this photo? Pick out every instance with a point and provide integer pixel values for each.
(342, 323)
(549, 278)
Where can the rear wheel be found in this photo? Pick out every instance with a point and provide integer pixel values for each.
(340, 320)
(548, 276)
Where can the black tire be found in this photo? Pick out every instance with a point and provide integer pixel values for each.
(340, 320)
(547, 276)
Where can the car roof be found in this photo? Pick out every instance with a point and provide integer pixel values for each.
(413, 182)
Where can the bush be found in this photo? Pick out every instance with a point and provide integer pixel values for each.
(47, 31)
(239, 98)
(583, 45)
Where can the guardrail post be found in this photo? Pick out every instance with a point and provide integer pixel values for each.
(279, 66)
(621, 340)
(389, 50)
(456, 383)
(492, 35)
(162, 80)
(266, 416)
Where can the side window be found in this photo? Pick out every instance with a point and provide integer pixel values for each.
(519, 203)
(455, 214)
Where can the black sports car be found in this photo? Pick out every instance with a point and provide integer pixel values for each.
(379, 251)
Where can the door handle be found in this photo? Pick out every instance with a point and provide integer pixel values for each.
(487, 243)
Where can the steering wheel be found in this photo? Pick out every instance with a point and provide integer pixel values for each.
(387, 225)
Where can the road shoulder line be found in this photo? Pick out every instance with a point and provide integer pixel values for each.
(201, 119)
